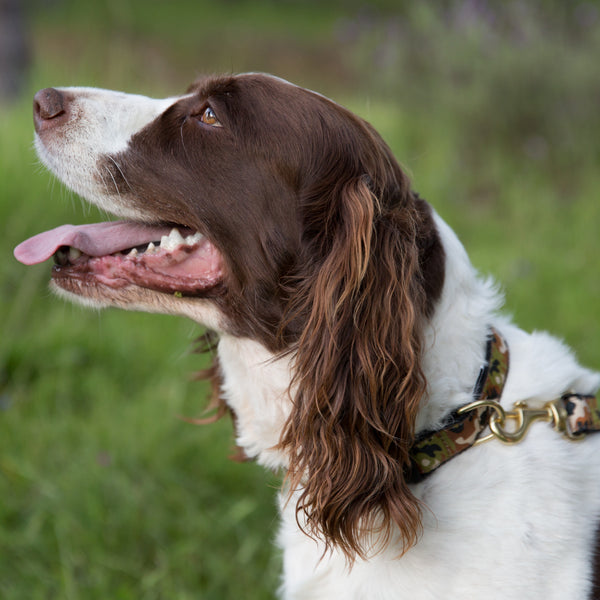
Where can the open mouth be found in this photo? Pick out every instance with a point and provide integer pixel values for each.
(174, 260)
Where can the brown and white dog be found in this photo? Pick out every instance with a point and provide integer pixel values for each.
(349, 320)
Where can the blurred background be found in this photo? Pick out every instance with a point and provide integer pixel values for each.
(492, 107)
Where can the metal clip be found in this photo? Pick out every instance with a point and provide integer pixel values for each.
(524, 417)
(552, 412)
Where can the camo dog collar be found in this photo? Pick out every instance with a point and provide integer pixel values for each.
(573, 415)
(461, 430)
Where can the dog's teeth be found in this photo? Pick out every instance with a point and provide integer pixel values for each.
(190, 240)
(74, 254)
(168, 243)
(171, 241)
(176, 236)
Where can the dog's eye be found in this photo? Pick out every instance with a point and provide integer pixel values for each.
(208, 117)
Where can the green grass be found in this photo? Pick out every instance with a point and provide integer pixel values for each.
(104, 491)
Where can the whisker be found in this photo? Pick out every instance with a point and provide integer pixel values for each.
(183, 143)
(121, 172)
(101, 176)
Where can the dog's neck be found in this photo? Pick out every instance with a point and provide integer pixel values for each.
(255, 383)
(455, 338)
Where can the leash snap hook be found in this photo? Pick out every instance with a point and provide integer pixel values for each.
(524, 417)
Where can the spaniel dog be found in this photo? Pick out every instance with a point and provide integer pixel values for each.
(357, 348)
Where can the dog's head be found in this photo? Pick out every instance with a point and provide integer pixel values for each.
(297, 228)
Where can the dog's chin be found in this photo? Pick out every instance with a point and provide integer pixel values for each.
(136, 298)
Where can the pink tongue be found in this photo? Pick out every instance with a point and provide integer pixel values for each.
(98, 239)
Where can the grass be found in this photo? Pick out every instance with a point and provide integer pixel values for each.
(105, 492)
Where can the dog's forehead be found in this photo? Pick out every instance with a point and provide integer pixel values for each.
(248, 86)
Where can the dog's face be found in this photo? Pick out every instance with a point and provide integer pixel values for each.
(226, 164)
(197, 163)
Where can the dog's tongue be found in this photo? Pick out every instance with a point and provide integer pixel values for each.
(98, 239)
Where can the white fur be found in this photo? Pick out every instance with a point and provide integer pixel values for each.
(499, 522)
(100, 122)
(256, 387)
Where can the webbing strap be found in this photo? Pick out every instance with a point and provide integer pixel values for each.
(432, 449)
(583, 414)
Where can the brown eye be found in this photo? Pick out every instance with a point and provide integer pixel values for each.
(208, 117)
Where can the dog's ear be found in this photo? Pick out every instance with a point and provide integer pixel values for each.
(374, 268)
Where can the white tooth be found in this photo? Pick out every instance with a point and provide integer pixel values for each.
(171, 241)
(133, 252)
(74, 254)
(190, 240)
(151, 248)
(175, 237)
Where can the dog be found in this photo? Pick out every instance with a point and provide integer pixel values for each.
(358, 349)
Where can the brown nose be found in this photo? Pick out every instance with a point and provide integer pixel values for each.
(49, 105)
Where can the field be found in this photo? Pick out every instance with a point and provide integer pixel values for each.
(105, 492)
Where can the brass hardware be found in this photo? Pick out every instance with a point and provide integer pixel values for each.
(552, 412)
(500, 414)
(524, 416)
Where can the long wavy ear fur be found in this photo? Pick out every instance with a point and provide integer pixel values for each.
(371, 276)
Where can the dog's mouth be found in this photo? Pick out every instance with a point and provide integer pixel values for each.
(163, 258)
